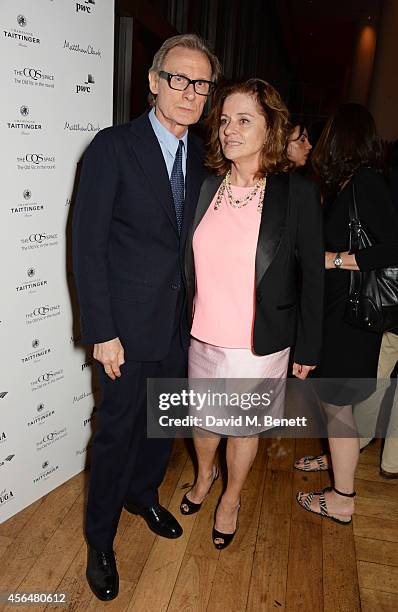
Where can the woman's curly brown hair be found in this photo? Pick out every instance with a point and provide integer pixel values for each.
(276, 115)
(348, 141)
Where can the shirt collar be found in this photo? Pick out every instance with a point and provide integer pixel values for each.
(168, 140)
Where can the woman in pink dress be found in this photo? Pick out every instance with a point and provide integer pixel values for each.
(254, 223)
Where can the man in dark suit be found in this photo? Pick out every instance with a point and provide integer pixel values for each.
(137, 196)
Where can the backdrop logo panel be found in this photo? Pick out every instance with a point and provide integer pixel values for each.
(56, 67)
(18, 32)
(83, 48)
(85, 7)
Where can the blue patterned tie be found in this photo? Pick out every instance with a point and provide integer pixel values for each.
(177, 185)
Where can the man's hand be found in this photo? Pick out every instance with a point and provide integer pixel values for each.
(301, 371)
(111, 355)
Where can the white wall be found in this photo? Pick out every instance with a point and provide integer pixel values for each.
(56, 71)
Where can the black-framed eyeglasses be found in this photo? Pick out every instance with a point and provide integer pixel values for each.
(180, 83)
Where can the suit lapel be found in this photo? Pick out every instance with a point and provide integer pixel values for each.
(146, 149)
(273, 222)
(193, 179)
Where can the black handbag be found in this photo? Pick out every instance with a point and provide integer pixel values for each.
(372, 302)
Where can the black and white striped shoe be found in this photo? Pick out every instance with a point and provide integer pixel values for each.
(321, 463)
(305, 500)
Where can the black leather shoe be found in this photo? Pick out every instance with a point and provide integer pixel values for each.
(102, 575)
(159, 520)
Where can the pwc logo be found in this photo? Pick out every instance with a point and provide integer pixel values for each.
(86, 87)
(85, 6)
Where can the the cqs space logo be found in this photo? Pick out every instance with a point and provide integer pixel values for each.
(85, 7)
(25, 123)
(27, 207)
(41, 415)
(38, 240)
(84, 49)
(36, 161)
(51, 438)
(46, 471)
(37, 354)
(33, 77)
(43, 312)
(32, 284)
(20, 33)
(50, 377)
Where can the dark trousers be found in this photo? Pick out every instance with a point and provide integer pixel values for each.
(126, 465)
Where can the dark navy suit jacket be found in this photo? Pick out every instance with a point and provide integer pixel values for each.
(127, 254)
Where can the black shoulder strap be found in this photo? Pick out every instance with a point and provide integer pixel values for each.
(353, 209)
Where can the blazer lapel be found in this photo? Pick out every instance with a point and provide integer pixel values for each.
(146, 149)
(273, 222)
(207, 193)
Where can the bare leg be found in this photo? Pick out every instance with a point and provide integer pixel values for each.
(205, 446)
(344, 454)
(241, 453)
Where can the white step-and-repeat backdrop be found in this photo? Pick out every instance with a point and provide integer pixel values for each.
(56, 71)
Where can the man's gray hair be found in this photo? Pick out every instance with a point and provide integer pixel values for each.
(189, 41)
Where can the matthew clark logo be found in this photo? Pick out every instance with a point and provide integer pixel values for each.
(33, 284)
(36, 161)
(84, 6)
(21, 35)
(33, 77)
(25, 125)
(82, 127)
(27, 208)
(38, 241)
(84, 49)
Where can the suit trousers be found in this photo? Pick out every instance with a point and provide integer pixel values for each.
(367, 412)
(126, 465)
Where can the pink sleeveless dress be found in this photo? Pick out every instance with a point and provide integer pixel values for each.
(224, 247)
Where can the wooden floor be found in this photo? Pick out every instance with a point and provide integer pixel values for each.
(282, 557)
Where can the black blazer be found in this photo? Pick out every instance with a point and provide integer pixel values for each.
(287, 312)
(127, 253)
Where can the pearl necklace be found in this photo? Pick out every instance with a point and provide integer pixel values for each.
(236, 203)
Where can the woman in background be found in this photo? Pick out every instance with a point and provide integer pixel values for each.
(298, 145)
(348, 154)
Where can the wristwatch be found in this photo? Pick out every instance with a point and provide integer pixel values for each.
(338, 261)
